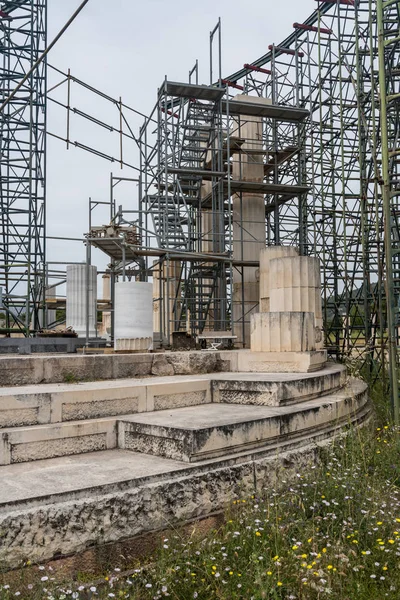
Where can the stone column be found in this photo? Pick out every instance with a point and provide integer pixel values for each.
(248, 212)
(170, 279)
(77, 296)
(266, 255)
(283, 332)
(295, 285)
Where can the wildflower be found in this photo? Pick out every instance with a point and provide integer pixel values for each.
(279, 583)
(258, 533)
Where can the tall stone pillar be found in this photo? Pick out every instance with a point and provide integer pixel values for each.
(164, 295)
(248, 212)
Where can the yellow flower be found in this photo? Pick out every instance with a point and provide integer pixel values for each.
(279, 583)
(258, 533)
(214, 568)
(329, 567)
(304, 556)
(355, 542)
(379, 523)
(269, 573)
(309, 566)
(294, 547)
(391, 541)
(310, 539)
(230, 572)
(193, 574)
(384, 568)
(276, 557)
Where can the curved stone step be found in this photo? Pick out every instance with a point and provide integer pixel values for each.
(204, 432)
(56, 403)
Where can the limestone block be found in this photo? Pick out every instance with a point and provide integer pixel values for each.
(297, 271)
(281, 362)
(133, 344)
(295, 285)
(266, 255)
(282, 332)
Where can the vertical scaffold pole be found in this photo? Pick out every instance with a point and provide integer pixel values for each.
(386, 198)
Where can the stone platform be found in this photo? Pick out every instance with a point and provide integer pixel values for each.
(87, 464)
(70, 368)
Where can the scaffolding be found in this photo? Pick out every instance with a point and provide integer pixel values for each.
(23, 29)
(298, 147)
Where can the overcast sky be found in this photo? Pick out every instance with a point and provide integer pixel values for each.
(125, 48)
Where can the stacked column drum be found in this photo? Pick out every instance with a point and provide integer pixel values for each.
(290, 302)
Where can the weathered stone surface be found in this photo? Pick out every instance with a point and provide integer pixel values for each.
(161, 366)
(64, 525)
(279, 393)
(73, 368)
(59, 447)
(266, 255)
(281, 362)
(192, 398)
(180, 362)
(197, 433)
(282, 332)
(75, 411)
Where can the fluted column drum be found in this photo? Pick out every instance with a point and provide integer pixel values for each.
(282, 332)
(295, 285)
(133, 316)
(77, 284)
(266, 255)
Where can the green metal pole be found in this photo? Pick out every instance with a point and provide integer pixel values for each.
(391, 307)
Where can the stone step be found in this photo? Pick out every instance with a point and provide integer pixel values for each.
(56, 403)
(25, 444)
(204, 432)
(125, 429)
(273, 391)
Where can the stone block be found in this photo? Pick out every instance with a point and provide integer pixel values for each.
(295, 271)
(281, 362)
(266, 255)
(50, 441)
(282, 332)
(178, 393)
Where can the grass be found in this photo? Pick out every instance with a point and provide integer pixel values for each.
(332, 533)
